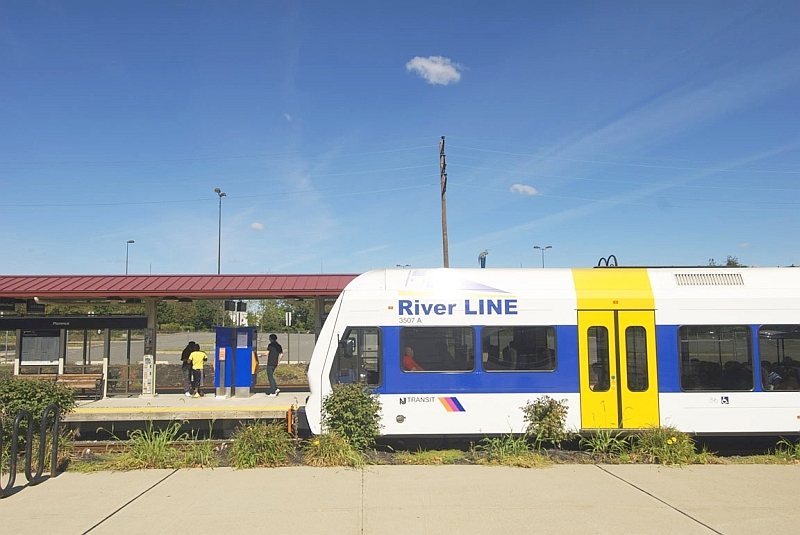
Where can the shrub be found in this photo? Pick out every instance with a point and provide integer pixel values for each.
(546, 421)
(353, 412)
(32, 395)
(332, 449)
(261, 444)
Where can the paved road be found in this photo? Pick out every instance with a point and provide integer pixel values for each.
(568, 499)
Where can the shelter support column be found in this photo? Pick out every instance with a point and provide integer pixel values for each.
(150, 345)
(151, 310)
(106, 359)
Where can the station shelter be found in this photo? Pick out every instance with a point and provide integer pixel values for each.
(121, 347)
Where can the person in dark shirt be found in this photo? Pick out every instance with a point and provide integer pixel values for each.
(186, 369)
(274, 355)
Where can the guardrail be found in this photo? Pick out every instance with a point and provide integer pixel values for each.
(33, 479)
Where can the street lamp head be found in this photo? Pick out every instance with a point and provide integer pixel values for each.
(217, 190)
(130, 241)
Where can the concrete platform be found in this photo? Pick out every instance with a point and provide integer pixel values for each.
(407, 500)
(180, 407)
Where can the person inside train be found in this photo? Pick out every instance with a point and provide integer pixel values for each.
(510, 355)
(790, 381)
(408, 363)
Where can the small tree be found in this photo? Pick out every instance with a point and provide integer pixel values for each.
(353, 411)
(546, 421)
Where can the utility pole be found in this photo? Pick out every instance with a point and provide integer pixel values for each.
(443, 176)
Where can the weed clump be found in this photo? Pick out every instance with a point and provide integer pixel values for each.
(261, 444)
(332, 449)
(509, 450)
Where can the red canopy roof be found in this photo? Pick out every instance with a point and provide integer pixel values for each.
(179, 286)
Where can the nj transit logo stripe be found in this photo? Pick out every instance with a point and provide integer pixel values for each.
(452, 404)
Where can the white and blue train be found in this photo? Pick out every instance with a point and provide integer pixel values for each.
(460, 351)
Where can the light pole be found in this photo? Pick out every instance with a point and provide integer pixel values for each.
(219, 231)
(127, 245)
(543, 250)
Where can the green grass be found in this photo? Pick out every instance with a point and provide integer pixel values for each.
(509, 450)
(431, 457)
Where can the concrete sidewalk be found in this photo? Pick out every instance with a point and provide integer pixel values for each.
(574, 499)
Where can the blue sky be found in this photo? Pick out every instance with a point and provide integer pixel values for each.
(665, 133)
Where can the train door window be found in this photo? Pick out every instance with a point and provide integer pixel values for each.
(358, 357)
(716, 357)
(779, 356)
(636, 358)
(599, 379)
(438, 348)
(518, 348)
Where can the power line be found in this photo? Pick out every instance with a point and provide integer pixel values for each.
(627, 164)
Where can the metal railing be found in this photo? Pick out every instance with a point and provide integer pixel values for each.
(33, 479)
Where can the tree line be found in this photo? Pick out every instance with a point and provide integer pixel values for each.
(203, 315)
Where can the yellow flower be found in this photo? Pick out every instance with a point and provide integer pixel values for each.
(316, 442)
(672, 440)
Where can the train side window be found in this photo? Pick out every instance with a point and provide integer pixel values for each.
(438, 349)
(518, 348)
(716, 357)
(779, 356)
(599, 379)
(636, 358)
(358, 357)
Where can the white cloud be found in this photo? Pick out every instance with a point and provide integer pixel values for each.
(522, 189)
(435, 69)
(744, 245)
(257, 226)
(288, 117)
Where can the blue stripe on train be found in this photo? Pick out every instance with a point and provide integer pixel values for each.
(564, 379)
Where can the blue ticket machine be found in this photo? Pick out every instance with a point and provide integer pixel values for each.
(233, 358)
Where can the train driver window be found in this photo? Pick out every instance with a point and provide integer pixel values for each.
(779, 356)
(518, 348)
(437, 349)
(716, 357)
(358, 357)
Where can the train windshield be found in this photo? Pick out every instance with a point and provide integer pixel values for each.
(358, 357)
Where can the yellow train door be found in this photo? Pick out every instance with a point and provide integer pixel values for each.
(618, 372)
